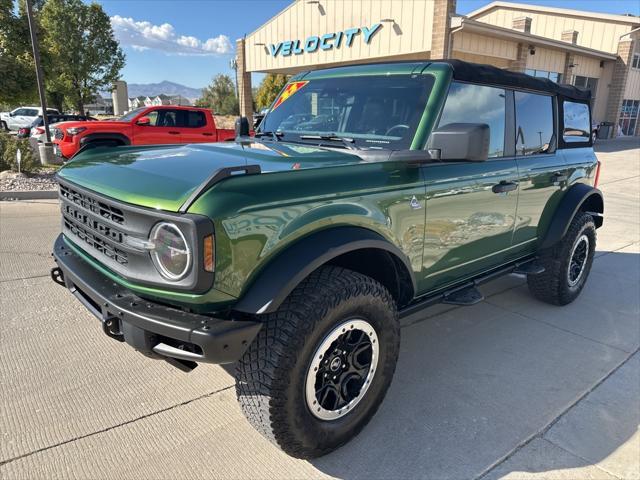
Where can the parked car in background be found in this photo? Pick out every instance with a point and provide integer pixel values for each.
(21, 117)
(258, 116)
(143, 126)
(36, 128)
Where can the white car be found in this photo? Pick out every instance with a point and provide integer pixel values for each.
(21, 117)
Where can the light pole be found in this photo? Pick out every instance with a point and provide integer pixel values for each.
(40, 80)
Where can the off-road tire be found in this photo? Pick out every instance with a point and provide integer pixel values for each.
(553, 286)
(270, 377)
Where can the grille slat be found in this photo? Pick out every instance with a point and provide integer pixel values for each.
(93, 205)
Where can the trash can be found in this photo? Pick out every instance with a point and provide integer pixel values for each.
(605, 130)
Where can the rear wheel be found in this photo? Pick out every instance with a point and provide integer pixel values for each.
(567, 264)
(321, 365)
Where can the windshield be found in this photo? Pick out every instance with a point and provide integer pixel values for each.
(127, 117)
(380, 112)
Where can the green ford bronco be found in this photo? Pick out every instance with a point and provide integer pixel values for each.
(368, 193)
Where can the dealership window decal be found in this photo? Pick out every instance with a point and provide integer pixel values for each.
(328, 41)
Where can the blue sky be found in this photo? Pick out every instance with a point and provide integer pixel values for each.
(190, 41)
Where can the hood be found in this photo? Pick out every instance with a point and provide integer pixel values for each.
(95, 123)
(163, 177)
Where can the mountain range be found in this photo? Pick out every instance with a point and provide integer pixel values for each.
(166, 87)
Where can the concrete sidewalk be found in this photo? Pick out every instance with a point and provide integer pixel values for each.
(508, 388)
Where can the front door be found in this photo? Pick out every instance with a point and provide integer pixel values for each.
(542, 169)
(471, 206)
(162, 128)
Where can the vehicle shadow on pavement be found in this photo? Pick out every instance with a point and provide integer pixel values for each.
(474, 383)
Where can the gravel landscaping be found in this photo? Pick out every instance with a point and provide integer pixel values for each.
(22, 182)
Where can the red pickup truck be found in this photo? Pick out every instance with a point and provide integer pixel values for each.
(142, 126)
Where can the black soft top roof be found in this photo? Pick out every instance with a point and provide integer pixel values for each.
(488, 74)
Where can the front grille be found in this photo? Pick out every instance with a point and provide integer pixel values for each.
(113, 233)
(102, 209)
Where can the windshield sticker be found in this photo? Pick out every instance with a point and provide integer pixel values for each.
(288, 91)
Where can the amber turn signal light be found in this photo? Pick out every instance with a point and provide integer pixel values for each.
(209, 257)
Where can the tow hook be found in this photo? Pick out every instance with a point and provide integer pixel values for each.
(57, 276)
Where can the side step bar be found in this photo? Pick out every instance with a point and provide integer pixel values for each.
(468, 294)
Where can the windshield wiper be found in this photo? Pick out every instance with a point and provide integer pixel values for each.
(275, 136)
(346, 141)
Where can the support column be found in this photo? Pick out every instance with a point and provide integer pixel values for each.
(567, 72)
(443, 10)
(520, 63)
(245, 96)
(619, 83)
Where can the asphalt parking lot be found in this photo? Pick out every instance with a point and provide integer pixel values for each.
(509, 388)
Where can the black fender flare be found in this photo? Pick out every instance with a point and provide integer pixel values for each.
(92, 137)
(578, 197)
(280, 276)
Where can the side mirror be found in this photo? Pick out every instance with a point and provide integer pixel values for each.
(461, 141)
(144, 121)
(242, 127)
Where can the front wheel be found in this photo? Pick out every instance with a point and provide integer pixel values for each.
(567, 264)
(321, 365)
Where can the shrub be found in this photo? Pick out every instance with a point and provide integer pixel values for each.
(9, 145)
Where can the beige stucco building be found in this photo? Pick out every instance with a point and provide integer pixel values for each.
(593, 50)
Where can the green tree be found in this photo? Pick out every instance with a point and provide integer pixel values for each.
(270, 87)
(17, 81)
(220, 96)
(82, 56)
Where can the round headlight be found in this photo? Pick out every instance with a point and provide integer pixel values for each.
(170, 254)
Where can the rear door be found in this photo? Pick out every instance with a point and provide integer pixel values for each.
(162, 128)
(195, 128)
(470, 219)
(541, 168)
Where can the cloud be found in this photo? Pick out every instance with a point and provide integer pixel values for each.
(144, 35)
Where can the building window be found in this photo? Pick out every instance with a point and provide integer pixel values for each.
(635, 63)
(588, 83)
(629, 116)
(476, 103)
(553, 76)
(534, 123)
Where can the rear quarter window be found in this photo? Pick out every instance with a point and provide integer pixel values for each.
(195, 119)
(576, 122)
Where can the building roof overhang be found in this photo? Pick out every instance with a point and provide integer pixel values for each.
(460, 23)
(567, 12)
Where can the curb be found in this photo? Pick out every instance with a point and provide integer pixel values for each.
(29, 195)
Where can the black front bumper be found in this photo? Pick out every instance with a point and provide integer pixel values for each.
(154, 329)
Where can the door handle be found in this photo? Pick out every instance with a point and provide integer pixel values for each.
(174, 133)
(558, 177)
(504, 187)
(208, 134)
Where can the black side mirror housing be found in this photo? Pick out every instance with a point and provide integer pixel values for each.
(461, 141)
(242, 127)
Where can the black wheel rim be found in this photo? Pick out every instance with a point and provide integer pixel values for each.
(578, 260)
(342, 369)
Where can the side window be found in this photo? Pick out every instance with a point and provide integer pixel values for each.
(153, 118)
(20, 112)
(534, 123)
(478, 104)
(168, 118)
(195, 119)
(30, 112)
(576, 124)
